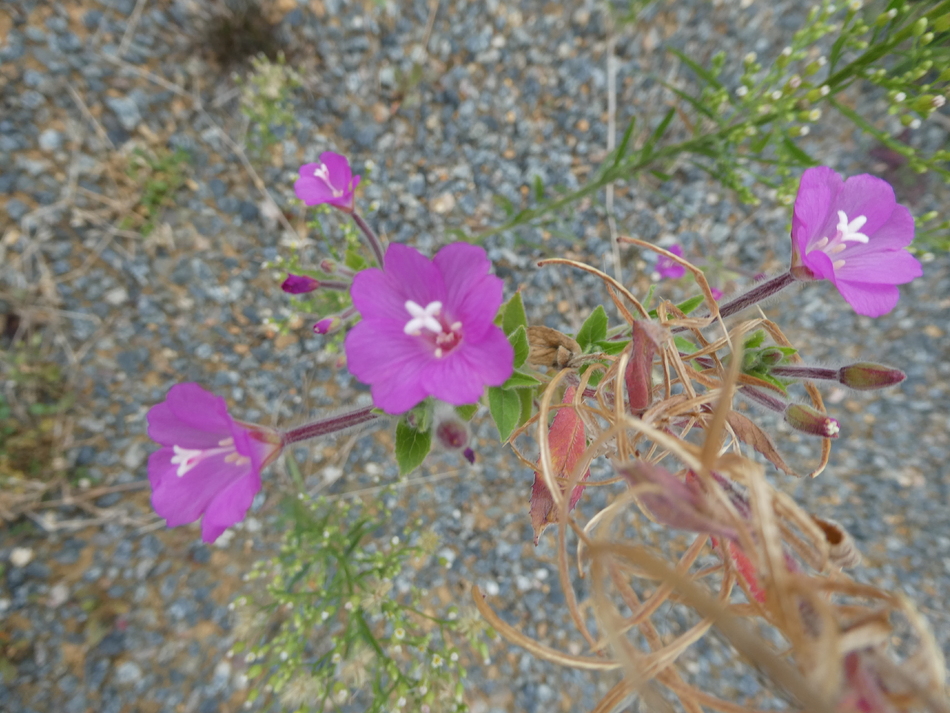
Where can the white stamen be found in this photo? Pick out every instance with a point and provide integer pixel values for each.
(820, 244)
(831, 428)
(837, 264)
(456, 326)
(849, 231)
(226, 442)
(836, 249)
(423, 318)
(438, 352)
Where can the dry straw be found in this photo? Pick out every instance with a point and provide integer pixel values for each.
(702, 548)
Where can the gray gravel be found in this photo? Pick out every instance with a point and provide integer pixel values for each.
(112, 617)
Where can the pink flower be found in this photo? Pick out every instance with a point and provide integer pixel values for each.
(209, 464)
(427, 328)
(330, 181)
(667, 269)
(853, 233)
(299, 284)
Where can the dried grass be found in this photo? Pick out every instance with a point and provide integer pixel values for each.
(778, 597)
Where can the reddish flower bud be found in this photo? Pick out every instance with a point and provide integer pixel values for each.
(639, 377)
(809, 420)
(299, 284)
(866, 376)
(326, 325)
(451, 432)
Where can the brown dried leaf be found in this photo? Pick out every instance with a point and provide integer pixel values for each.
(749, 432)
(842, 550)
(550, 347)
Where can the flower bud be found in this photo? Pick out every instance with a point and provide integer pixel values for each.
(451, 432)
(326, 325)
(299, 284)
(866, 376)
(810, 420)
(920, 27)
(328, 266)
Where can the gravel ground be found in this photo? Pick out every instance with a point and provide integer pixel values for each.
(122, 615)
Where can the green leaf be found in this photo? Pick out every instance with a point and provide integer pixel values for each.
(520, 381)
(755, 340)
(622, 147)
(684, 345)
(800, 156)
(657, 134)
(519, 340)
(505, 407)
(687, 306)
(594, 328)
(538, 189)
(701, 71)
(354, 260)
(527, 404)
(513, 315)
(467, 411)
(412, 447)
(615, 347)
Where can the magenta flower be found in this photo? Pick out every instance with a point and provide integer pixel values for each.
(427, 328)
(299, 284)
(209, 464)
(853, 233)
(330, 181)
(667, 269)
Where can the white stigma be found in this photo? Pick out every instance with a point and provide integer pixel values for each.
(323, 173)
(185, 459)
(849, 231)
(423, 318)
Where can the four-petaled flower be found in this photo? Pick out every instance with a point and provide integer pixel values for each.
(853, 233)
(667, 269)
(330, 181)
(209, 464)
(427, 328)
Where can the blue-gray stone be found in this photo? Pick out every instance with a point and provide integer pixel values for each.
(51, 140)
(248, 211)
(126, 111)
(16, 208)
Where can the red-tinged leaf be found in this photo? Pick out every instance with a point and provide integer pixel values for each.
(862, 688)
(673, 502)
(745, 568)
(638, 377)
(748, 432)
(567, 442)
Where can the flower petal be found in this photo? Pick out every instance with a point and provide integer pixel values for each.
(338, 169)
(895, 233)
(189, 417)
(229, 506)
(869, 196)
(379, 353)
(888, 267)
(871, 300)
(310, 189)
(472, 293)
(817, 192)
(181, 500)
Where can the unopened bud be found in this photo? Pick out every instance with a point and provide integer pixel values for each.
(328, 266)
(866, 376)
(326, 325)
(451, 431)
(299, 284)
(886, 17)
(810, 420)
(639, 375)
(920, 27)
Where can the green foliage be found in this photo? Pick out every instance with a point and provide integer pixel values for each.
(750, 134)
(506, 410)
(266, 100)
(594, 329)
(160, 174)
(330, 628)
(35, 396)
(412, 446)
(513, 315)
(519, 340)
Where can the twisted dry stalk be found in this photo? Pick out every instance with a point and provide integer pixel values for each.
(733, 555)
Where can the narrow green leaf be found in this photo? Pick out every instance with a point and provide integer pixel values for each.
(624, 141)
(519, 340)
(520, 381)
(505, 408)
(504, 203)
(615, 347)
(412, 447)
(657, 134)
(354, 260)
(526, 396)
(684, 345)
(538, 189)
(800, 156)
(513, 315)
(594, 328)
(687, 306)
(466, 412)
(699, 69)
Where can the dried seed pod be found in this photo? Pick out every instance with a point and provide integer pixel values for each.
(550, 347)
(842, 550)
